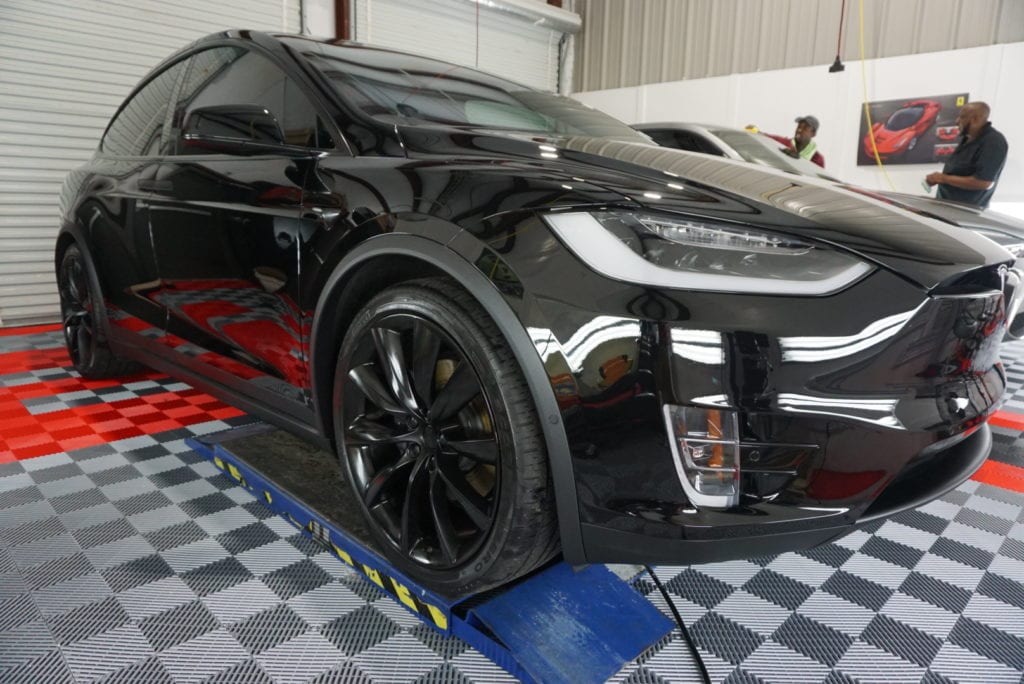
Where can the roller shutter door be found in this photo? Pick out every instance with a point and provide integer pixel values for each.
(65, 66)
(515, 45)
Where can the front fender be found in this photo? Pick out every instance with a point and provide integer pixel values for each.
(437, 257)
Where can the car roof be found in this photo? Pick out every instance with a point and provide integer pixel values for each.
(680, 125)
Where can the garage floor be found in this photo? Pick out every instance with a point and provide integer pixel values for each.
(126, 557)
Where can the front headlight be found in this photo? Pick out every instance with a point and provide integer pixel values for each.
(696, 254)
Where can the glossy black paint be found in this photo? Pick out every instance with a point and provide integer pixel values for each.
(239, 272)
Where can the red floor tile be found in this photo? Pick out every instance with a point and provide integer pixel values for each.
(24, 435)
(29, 330)
(1001, 475)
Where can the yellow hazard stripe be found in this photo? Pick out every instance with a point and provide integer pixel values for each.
(381, 579)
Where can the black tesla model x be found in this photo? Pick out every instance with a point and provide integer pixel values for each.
(522, 326)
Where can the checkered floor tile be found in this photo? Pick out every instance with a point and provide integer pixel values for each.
(46, 408)
(935, 594)
(132, 559)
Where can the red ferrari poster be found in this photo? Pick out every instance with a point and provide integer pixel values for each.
(919, 130)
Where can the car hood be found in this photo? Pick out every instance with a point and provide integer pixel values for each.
(885, 136)
(921, 249)
(963, 215)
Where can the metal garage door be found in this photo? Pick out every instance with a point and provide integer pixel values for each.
(517, 39)
(65, 65)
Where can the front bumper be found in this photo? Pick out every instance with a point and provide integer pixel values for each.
(1014, 291)
(835, 430)
(767, 536)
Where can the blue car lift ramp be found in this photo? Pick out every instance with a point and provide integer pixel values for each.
(559, 624)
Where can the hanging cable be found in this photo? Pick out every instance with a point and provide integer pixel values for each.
(682, 626)
(839, 43)
(867, 109)
(477, 65)
(838, 64)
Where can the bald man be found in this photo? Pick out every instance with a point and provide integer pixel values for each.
(971, 172)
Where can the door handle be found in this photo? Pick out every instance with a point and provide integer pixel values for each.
(154, 185)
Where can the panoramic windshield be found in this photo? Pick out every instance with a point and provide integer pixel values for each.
(904, 118)
(760, 149)
(405, 89)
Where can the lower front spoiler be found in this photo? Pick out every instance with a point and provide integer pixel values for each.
(604, 545)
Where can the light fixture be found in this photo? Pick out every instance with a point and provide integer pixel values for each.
(707, 454)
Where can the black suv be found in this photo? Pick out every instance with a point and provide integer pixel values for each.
(521, 325)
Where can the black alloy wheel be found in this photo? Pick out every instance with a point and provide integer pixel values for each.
(445, 458)
(421, 445)
(89, 351)
(76, 308)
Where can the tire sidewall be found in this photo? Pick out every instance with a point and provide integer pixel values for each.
(74, 252)
(467, 336)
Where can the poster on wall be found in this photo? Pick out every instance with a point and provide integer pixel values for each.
(919, 130)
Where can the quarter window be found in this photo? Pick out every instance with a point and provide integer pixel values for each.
(136, 129)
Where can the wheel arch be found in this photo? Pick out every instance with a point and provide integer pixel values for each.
(389, 259)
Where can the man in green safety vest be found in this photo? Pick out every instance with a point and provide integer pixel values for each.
(802, 143)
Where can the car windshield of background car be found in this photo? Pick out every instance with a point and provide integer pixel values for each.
(398, 88)
(904, 118)
(760, 149)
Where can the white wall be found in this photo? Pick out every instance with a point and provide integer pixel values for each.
(772, 99)
(318, 18)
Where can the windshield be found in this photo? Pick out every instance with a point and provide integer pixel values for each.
(760, 149)
(904, 118)
(398, 88)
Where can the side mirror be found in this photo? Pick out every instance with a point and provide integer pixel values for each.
(232, 128)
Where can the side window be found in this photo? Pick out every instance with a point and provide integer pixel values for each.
(227, 76)
(702, 144)
(136, 130)
(688, 141)
(662, 137)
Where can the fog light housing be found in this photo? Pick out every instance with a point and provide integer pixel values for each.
(706, 454)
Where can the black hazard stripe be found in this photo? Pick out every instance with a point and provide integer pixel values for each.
(230, 469)
(321, 534)
(396, 589)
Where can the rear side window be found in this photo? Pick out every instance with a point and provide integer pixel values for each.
(663, 137)
(682, 140)
(136, 129)
(234, 76)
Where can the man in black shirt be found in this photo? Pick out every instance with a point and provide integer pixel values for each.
(971, 172)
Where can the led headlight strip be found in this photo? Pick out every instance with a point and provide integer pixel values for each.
(689, 254)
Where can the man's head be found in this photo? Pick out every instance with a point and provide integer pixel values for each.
(806, 128)
(972, 118)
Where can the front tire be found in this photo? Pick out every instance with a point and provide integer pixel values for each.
(90, 354)
(439, 438)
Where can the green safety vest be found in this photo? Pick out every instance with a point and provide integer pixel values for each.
(808, 151)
